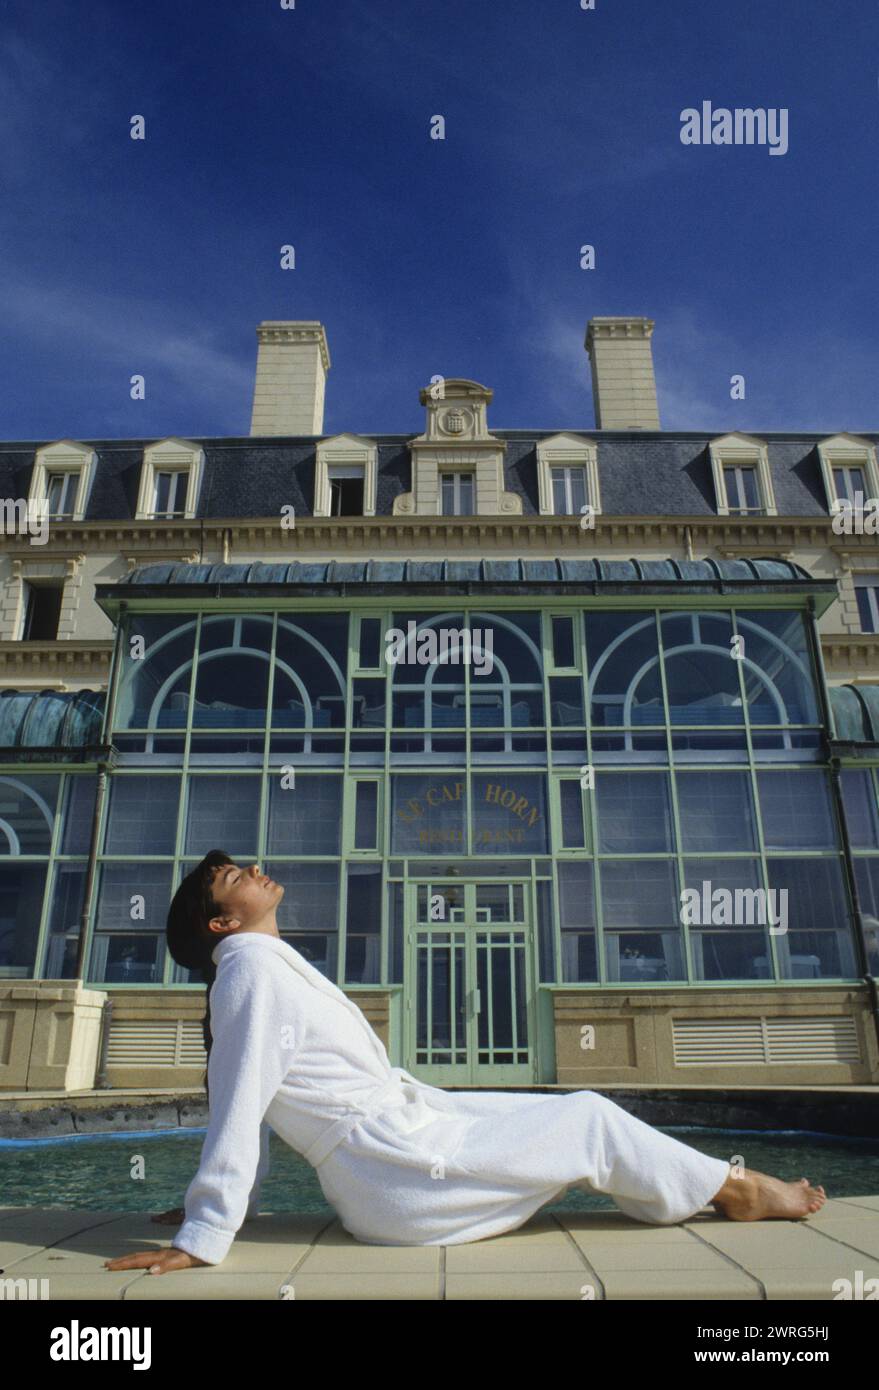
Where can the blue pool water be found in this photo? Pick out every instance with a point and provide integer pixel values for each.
(91, 1172)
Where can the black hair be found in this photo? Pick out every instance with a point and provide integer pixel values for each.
(189, 939)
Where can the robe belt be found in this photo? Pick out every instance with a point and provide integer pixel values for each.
(373, 1104)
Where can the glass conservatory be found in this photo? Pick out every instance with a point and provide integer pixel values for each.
(524, 794)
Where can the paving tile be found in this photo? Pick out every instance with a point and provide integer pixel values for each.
(649, 1284)
(205, 1284)
(390, 1285)
(88, 1286)
(534, 1286)
(655, 1256)
(542, 1256)
(774, 1245)
(364, 1259)
(816, 1284)
(853, 1230)
(871, 1202)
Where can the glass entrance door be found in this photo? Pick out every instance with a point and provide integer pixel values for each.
(469, 983)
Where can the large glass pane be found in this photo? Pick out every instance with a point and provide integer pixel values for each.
(427, 813)
(700, 671)
(364, 921)
(795, 809)
(571, 798)
(716, 811)
(624, 680)
(27, 813)
(859, 801)
(366, 815)
(639, 893)
(65, 920)
(232, 683)
(576, 896)
(396, 931)
(634, 812)
(509, 813)
(142, 815)
(133, 897)
(157, 666)
(546, 932)
(867, 880)
(311, 896)
(563, 641)
(305, 818)
(370, 652)
(21, 907)
(308, 913)
(777, 667)
(79, 808)
(223, 813)
(728, 914)
(817, 942)
(310, 671)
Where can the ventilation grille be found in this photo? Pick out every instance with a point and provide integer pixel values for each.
(767, 1041)
(156, 1043)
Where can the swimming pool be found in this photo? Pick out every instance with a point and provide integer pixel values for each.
(89, 1172)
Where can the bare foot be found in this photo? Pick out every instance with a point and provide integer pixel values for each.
(757, 1197)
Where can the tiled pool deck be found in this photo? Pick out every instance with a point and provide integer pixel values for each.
(601, 1255)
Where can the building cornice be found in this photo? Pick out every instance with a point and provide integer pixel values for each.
(156, 541)
(55, 664)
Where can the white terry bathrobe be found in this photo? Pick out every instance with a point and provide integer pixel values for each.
(402, 1162)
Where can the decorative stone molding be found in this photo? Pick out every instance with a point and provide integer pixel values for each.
(64, 665)
(65, 456)
(349, 453)
(851, 658)
(171, 455)
(133, 562)
(456, 440)
(748, 452)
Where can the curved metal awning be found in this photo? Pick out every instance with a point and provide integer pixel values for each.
(50, 719)
(856, 714)
(390, 578)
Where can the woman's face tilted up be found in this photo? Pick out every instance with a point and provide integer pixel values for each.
(247, 899)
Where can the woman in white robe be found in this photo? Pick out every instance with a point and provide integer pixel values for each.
(402, 1162)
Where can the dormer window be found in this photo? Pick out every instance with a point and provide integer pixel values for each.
(457, 494)
(742, 480)
(62, 479)
(848, 467)
(170, 481)
(345, 477)
(567, 476)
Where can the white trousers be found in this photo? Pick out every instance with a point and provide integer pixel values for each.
(493, 1158)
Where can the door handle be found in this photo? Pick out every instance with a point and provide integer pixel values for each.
(477, 1001)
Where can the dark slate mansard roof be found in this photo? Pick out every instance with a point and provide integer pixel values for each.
(641, 473)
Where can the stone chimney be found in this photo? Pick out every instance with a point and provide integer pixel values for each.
(623, 384)
(291, 371)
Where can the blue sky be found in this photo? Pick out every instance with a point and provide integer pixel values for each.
(310, 126)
